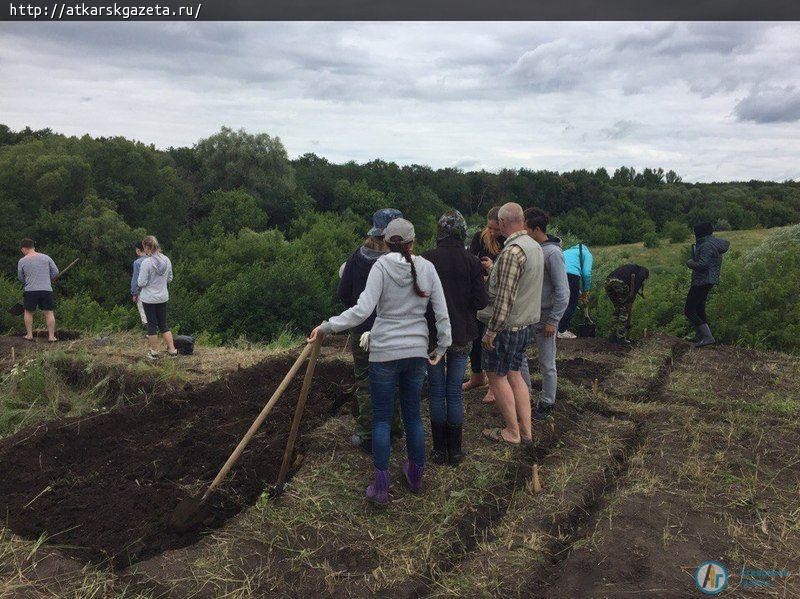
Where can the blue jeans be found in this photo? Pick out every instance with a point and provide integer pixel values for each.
(444, 383)
(385, 378)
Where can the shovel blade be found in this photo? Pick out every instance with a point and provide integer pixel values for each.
(189, 514)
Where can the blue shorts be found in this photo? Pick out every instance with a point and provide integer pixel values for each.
(508, 353)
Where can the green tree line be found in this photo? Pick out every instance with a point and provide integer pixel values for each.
(256, 238)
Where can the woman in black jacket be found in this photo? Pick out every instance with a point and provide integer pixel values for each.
(462, 277)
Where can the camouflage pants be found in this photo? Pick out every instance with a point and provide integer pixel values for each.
(362, 408)
(619, 294)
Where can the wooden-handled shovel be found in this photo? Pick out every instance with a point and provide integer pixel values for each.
(193, 510)
(18, 309)
(298, 415)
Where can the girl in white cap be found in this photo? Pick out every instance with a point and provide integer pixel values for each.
(399, 288)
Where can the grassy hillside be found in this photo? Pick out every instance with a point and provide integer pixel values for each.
(755, 304)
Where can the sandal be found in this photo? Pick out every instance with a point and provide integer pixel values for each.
(496, 434)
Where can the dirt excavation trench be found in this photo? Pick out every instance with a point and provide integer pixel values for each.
(104, 486)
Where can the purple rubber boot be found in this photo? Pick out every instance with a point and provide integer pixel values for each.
(378, 491)
(413, 476)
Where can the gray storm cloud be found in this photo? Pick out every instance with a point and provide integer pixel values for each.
(700, 98)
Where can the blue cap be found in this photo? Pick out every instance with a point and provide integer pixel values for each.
(382, 218)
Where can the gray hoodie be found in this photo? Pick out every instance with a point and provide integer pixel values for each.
(555, 287)
(400, 330)
(154, 275)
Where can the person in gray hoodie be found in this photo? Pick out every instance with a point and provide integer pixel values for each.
(706, 265)
(555, 297)
(155, 274)
(399, 288)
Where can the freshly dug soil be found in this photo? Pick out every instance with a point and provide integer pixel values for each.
(581, 371)
(106, 485)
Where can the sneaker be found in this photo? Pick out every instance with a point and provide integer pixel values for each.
(152, 355)
(566, 335)
(172, 354)
(542, 412)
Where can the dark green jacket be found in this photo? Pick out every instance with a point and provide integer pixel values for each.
(706, 262)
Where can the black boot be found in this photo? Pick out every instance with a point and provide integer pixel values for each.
(706, 338)
(439, 451)
(454, 451)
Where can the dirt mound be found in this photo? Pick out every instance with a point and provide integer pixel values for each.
(107, 484)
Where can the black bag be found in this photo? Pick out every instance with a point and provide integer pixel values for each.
(184, 344)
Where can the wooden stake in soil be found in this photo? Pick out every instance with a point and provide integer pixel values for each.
(536, 484)
(13, 355)
(298, 415)
(595, 386)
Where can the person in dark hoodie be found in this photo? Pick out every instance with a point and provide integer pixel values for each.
(706, 265)
(155, 274)
(399, 288)
(353, 280)
(461, 274)
(555, 298)
(622, 286)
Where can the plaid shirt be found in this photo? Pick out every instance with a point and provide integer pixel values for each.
(510, 265)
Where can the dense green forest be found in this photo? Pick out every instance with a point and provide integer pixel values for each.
(256, 238)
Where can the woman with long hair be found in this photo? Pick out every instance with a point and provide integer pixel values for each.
(461, 274)
(399, 288)
(155, 274)
(486, 244)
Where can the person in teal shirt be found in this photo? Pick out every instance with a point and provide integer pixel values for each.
(578, 261)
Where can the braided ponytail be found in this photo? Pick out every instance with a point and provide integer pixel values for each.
(404, 249)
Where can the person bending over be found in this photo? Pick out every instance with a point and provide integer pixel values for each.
(622, 286)
(578, 261)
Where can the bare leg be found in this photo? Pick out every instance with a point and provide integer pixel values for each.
(170, 343)
(153, 341)
(50, 319)
(504, 400)
(28, 317)
(522, 403)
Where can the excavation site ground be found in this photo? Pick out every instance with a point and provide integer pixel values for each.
(659, 458)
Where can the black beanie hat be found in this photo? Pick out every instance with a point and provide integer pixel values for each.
(703, 229)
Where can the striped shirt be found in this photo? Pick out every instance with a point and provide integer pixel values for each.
(510, 265)
(37, 272)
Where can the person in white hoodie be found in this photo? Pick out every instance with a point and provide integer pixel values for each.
(155, 274)
(399, 288)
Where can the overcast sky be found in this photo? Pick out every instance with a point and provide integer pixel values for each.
(713, 101)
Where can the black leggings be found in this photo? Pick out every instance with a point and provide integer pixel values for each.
(574, 295)
(156, 318)
(477, 350)
(695, 307)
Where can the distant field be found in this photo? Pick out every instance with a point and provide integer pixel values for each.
(670, 255)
